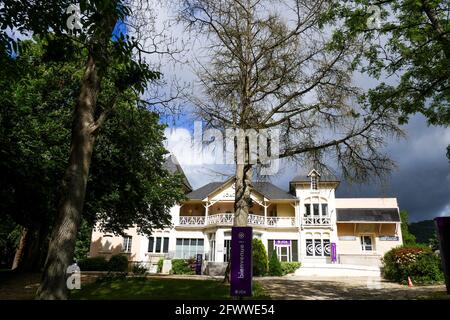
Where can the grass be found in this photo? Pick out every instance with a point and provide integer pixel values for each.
(142, 288)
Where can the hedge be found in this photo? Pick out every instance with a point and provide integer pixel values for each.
(289, 267)
(118, 262)
(417, 262)
(183, 266)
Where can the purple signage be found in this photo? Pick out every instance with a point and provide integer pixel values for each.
(282, 242)
(333, 252)
(198, 264)
(241, 261)
(443, 230)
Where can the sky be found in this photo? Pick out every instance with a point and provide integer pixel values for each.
(420, 182)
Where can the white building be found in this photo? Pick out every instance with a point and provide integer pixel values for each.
(300, 225)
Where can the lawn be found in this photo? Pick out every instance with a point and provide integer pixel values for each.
(158, 289)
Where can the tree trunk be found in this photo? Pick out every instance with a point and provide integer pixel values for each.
(29, 253)
(18, 257)
(64, 233)
(242, 202)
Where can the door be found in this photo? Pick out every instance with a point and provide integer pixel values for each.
(226, 250)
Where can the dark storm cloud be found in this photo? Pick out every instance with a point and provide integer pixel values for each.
(422, 180)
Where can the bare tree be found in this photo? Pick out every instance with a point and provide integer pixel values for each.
(279, 65)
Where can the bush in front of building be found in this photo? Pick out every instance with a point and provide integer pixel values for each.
(160, 265)
(260, 259)
(93, 264)
(289, 267)
(183, 266)
(417, 262)
(275, 268)
(118, 262)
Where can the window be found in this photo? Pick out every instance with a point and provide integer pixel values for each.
(324, 209)
(316, 209)
(366, 243)
(226, 250)
(318, 247)
(156, 244)
(126, 245)
(314, 182)
(307, 209)
(189, 248)
(286, 250)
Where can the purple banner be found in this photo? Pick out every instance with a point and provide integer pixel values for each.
(198, 264)
(241, 261)
(282, 242)
(333, 252)
(443, 230)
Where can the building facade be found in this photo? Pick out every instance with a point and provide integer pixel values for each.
(307, 224)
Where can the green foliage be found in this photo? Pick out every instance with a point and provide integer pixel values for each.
(275, 268)
(424, 231)
(416, 48)
(183, 266)
(289, 267)
(260, 259)
(83, 243)
(118, 262)
(160, 265)
(408, 238)
(93, 264)
(138, 269)
(417, 262)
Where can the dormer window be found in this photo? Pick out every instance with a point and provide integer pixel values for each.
(314, 182)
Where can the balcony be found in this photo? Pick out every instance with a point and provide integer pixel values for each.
(316, 221)
(226, 219)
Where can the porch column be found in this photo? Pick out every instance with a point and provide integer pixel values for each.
(265, 213)
(206, 213)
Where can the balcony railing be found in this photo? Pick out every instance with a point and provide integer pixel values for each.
(228, 218)
(316, 221)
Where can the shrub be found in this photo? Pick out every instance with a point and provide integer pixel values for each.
(118, 262)
(417, 262)
(93, 264)
(289, 267)
(260, 259)
(183, 266)
(160, 265)
(275, 265)
(138, 269)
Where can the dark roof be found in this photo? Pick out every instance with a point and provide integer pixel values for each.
(375, 215)
(265, 188)
(202, 192)
(272, 192)
(174, 166)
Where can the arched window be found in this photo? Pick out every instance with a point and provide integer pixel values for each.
(318, 244)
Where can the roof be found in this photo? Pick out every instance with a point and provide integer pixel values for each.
(367, 215)
(173, 166)
(265, 188)
(324, 177)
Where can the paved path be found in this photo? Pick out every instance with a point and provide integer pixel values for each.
(355, 288)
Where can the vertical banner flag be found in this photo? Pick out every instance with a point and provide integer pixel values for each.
(241, 261)
(333, 252)
(198, 264)
(443, 231)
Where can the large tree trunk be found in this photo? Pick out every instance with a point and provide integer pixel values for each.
(242, 200)
(62, 243)
(18, 257)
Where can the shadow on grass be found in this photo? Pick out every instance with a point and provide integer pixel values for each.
(142, 288)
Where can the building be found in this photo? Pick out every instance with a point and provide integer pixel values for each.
(305, 224)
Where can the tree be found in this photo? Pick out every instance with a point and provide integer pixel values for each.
(126, 174)
(408, 238)
(275, 268)
(260, 260)
(409, 50)
(284, 67)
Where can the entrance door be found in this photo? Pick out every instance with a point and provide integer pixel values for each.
(284, 253)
